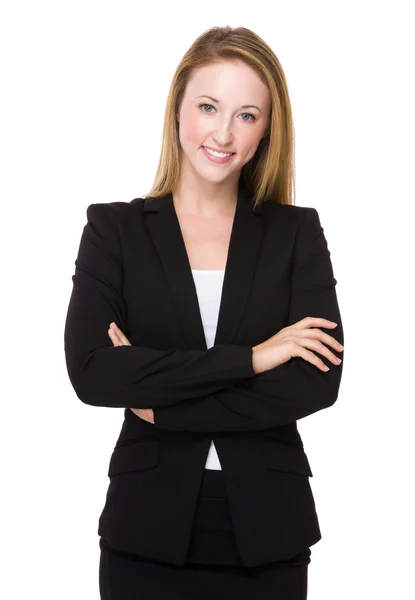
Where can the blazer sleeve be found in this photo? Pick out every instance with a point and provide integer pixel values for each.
(130, 376)
(294, 389)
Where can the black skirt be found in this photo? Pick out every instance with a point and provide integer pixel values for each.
(213, 568)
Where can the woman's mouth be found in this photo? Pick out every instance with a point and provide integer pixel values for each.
(218, 157)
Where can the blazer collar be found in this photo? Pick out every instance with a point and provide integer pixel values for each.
(164, 228)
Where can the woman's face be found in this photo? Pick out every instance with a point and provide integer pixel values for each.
(226, 107)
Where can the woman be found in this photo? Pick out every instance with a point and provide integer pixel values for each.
(208, 311)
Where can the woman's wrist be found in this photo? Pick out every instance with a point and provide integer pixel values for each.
(257, 360)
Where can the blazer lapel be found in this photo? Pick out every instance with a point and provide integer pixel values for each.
(164, 227)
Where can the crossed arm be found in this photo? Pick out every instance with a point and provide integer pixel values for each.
(292, 390)
(211, 390)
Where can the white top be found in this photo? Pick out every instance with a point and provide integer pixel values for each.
(209, 285)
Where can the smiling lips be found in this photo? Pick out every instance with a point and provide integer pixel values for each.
(216, 152)
(217, 157)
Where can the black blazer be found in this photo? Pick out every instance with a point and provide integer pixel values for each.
(132, 268)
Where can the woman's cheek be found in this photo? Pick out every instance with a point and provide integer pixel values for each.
(251, 145)
(191, 132)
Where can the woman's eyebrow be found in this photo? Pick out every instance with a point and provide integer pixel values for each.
(217, 101)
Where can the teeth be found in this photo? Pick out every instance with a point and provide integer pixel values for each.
(218, 154)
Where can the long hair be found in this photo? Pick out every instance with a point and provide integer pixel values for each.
(269, 174)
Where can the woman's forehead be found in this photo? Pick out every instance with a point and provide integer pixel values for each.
(227, 79)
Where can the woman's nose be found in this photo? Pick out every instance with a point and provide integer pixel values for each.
(223, 135)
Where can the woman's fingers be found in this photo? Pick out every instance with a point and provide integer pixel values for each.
(306, 335)
(117, 336)
(313, 322)
(298, 344)
(320, 335)
(313, 359)
(320, 348)
(114, 337)
(146, 414)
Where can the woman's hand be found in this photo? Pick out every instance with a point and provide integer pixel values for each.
(119, 339)
(293, 341)
(117, 336)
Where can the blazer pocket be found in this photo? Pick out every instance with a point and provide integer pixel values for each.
(284, 457)
(135, 456)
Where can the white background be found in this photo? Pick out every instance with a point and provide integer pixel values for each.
(84, 86)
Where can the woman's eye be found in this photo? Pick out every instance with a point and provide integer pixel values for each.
(251, 118)
(249, 115)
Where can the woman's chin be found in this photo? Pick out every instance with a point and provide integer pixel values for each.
(215, 176)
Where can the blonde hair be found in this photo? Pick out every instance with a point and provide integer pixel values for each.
(269, 174)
